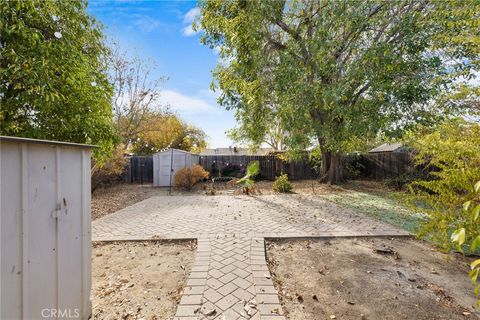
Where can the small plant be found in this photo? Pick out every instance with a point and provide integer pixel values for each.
(186, 178)
(282, 184)
(247, 184)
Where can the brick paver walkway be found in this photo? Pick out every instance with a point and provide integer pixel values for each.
(230, 279)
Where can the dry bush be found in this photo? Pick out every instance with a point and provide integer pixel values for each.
(186, 178)
(110, 172)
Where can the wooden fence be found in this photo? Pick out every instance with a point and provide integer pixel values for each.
(378, 166)
(270, 166)
(139, 170)
(384, 165)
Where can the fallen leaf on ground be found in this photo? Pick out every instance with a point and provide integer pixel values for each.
(210, 312)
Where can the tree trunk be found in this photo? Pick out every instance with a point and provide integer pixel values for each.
(331, 170)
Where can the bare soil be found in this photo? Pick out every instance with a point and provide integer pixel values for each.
(370, 279)
(139, 280)
(111, 199)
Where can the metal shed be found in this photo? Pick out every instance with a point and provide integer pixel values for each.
(45, 229)
(166, 163)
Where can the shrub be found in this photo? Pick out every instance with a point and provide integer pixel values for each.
(453, 149)
(110, 172)
(404, 179)
(186, 178)
(247, 183)
(282, 184)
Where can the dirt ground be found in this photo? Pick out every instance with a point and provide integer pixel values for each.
(114, 198)
(139, 280)
(370, 279)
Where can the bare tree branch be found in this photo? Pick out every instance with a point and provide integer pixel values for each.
(135, 94)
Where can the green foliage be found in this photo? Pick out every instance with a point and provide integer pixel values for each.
(459, 236)
(53, 74)
(353, 166)
(338, 73)
(452, 151)
(160, 130)
(315, 159)
(401, 181)
(247, 182)
(282, 184)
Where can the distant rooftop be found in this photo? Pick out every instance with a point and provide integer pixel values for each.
(231, 151)
(387, 147)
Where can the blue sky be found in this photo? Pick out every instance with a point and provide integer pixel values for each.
(161, 31)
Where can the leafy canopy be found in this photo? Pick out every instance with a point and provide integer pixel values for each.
(53, 81)
(160, 130)
(339, 72)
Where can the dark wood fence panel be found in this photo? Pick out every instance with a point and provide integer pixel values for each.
(384, 165)
(140, 170)
(378, 166)
(270, 166)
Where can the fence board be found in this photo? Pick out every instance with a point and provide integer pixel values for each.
(270, 166)
(378, 166)
(385, 165)
(139, 170)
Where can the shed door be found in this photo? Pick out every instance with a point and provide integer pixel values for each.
(179, 162)
(164, 176)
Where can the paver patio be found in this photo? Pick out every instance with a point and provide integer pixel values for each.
(230, 278)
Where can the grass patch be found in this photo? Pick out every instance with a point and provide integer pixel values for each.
(384, 206)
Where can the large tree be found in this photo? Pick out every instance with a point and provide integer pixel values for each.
(135, 95)
(161, 130)
(336, 73)
(53, 82)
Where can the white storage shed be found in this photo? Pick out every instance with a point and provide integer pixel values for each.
(45, 229)
(166, 163)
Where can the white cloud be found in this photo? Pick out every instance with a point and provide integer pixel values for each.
(191, 15)
(188, 19)
(188, 31)
(184, 104)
